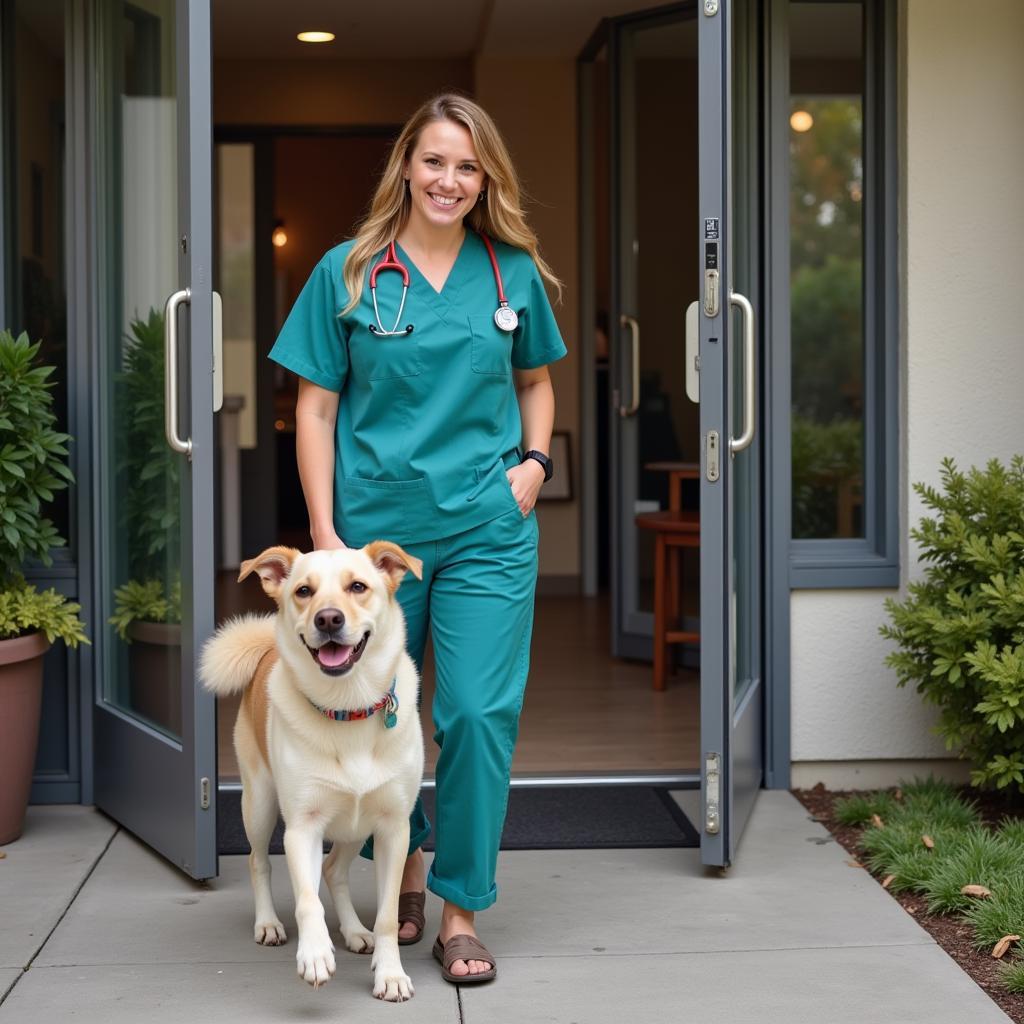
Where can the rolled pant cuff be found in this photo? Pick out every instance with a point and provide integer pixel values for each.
(455, 895)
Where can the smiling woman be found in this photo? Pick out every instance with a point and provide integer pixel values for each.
(441, 444)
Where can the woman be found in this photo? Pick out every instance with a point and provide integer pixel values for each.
(424, 416)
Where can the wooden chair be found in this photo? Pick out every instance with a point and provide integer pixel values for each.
(673, 530)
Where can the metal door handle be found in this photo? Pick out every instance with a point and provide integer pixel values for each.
(218, 352)
(171, 372)
(737, 444)
(634, 330)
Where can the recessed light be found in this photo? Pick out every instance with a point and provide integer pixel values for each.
(315, 37)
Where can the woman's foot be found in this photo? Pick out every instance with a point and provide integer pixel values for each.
(414, 879)
(456, 921)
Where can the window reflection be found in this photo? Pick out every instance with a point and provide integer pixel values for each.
(826, 265)
(35, 287)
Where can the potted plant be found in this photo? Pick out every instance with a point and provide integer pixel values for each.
(147, 606)
(32, 468)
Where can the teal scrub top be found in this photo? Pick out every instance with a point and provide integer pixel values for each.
(426, 421)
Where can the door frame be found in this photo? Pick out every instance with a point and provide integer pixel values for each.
(769, 36)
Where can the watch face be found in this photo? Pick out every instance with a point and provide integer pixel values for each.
(506, 319)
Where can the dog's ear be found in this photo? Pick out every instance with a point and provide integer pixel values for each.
(273, 566)
(393, 562)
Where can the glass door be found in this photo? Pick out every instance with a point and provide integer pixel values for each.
(155, 747)
(655, 443)
(732, 690)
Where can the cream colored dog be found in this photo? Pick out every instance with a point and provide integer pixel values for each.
(306, 744)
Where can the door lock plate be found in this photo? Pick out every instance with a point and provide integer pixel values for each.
(712, 792)
(204, 793)
(711, 455)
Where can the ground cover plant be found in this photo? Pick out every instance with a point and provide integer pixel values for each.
(954, 858)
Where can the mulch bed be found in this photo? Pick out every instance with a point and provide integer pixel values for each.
(952, 934)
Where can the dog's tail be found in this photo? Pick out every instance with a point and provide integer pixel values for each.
(230, 656)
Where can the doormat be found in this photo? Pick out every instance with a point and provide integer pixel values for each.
(539, 818)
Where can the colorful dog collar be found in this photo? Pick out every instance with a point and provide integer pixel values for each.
(388, 703)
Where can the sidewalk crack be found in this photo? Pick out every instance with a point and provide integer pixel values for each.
(64, 912)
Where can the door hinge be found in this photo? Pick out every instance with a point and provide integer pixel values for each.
(204, 794)
(712, 797)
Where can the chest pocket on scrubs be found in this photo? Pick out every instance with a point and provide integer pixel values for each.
(491, 348)
(385, 358)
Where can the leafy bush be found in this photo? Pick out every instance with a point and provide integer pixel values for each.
(32, 468)
(32, 455)
(25, 609)
(857, 809)
(961, 629)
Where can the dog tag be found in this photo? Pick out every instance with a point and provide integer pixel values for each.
(390, 720)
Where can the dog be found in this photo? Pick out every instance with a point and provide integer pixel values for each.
(328, 732)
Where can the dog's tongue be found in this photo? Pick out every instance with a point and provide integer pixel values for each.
(332, 655)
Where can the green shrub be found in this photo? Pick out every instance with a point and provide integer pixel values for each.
(32, 469)
(32, 457)
(961, 629)
(857, 809)
(1000, 914)
(980, 857)
(1011, 973)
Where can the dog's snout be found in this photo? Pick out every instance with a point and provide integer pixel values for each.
(327, 620)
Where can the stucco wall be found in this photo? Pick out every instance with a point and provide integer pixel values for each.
(962, 387)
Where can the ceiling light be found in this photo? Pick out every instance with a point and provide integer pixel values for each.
(315, 37)
(801, 121)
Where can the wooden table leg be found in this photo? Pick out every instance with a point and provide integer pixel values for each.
(660, 624)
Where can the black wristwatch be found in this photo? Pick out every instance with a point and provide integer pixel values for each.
(544, 460)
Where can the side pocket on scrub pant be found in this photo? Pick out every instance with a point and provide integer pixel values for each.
(491, 347)
(398, 510)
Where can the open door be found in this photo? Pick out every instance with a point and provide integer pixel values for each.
(155, 740)
(732, 690)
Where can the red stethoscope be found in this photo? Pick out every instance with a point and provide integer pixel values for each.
(504, 316)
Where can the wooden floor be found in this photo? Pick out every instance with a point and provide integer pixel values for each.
(585, 711)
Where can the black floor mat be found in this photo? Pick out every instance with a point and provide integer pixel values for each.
(540, 818)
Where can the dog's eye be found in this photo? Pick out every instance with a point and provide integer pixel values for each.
(357, 587)
(303, 591)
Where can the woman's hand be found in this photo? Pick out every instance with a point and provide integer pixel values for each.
(326, 540)
(526, 480)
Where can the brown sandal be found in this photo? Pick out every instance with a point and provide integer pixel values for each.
(410, 909)
(463, 947)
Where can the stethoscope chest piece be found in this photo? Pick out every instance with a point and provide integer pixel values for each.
(506, 318)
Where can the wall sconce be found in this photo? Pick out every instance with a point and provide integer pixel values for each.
(280, 236)
(801, 121)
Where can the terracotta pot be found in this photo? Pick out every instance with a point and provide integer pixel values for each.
(154, 673)
(21, 694)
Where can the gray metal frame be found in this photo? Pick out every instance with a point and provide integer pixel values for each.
(144, 779)
(871, 561)
(731, 719)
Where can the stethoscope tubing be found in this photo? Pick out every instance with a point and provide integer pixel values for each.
(390, 261)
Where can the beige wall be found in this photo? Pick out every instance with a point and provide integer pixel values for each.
(962, 376)
(534, 104)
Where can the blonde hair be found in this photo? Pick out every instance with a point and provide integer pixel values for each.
(500, 216)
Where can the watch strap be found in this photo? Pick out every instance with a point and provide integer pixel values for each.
(544, 460)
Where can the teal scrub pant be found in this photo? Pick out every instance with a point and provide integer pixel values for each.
(477, 596)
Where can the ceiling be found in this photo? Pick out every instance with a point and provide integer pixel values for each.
(405, 29)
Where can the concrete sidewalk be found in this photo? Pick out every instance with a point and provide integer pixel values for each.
(98, 928)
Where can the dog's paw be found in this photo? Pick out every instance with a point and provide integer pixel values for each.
(392, 987)
(315, 961)
(359, 941)
(270, 933)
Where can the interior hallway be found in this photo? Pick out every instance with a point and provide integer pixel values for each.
(585, 712)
